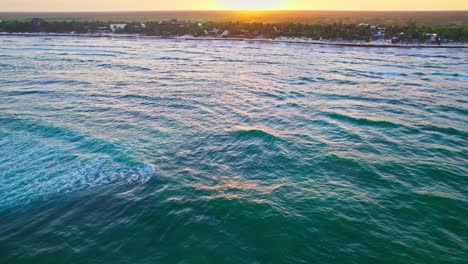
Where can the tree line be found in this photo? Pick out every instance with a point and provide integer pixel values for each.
(336, 31)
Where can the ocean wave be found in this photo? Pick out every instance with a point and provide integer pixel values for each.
(458, 110)
(237, 151)
(67, 51)
(388, 73)
(123, 67)
(450, 74)
(55, 82)
(185, 51)
(358, 98)
(362, 121)
(338, 160)
(338, 81)
(59, 160)
(411, 84)
(27, 92)
(174, 58)
(146, 98)
(440, 197)
(304, 80)
(446, 130)
(90, 54)
(241, 132)
(61, 134)
(268, 62)
(84, 174)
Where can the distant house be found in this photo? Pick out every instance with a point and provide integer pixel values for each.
(225, 34)
(117, 27)
(399, 37)
(37, 22)
(214, 31)
(433, 37)
(138, 26)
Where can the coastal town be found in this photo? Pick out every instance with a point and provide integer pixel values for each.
(408, 34)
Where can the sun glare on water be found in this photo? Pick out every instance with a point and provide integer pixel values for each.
(251, 4)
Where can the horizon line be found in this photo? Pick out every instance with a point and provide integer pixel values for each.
(237, 10)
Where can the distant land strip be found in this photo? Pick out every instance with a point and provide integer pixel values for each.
(291, 41)
(427, 18)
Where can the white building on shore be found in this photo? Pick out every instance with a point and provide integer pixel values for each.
(225, 34)
(117, 27)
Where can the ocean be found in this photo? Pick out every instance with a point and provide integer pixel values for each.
(165, 151)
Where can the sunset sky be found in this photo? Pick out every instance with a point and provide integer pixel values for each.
(124, 5)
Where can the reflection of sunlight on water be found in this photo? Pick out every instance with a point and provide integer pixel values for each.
(237, 188)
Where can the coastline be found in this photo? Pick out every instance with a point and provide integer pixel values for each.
(264, 40)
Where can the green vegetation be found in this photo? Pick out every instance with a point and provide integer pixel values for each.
(410, 32)
(443, 18)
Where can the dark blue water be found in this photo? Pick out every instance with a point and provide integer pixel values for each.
(162, 151)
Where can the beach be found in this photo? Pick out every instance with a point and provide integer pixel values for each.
(278, 40)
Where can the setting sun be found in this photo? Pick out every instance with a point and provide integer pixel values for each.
(251, 5)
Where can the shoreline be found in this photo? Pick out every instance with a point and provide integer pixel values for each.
(262, 40)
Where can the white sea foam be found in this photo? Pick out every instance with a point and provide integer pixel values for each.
(31, 170)
(94, 173)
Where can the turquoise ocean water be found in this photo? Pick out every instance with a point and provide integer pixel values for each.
(164, 151)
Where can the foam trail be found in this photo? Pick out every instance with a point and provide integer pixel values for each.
(40, 169)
